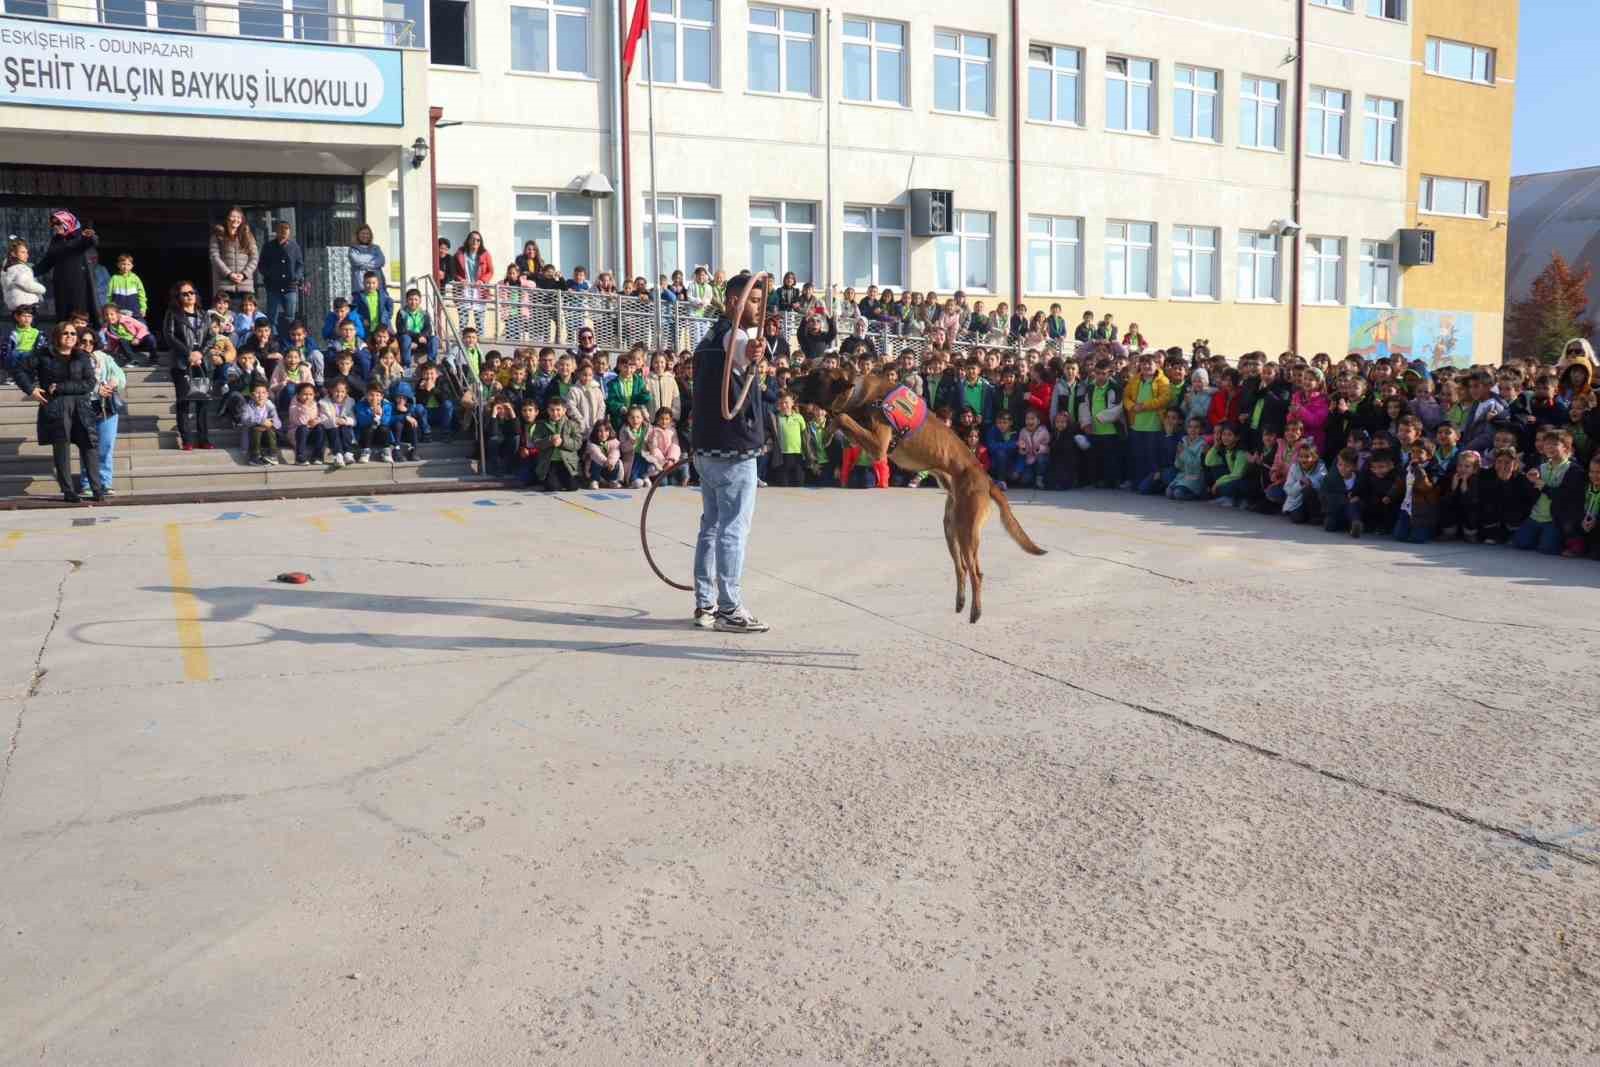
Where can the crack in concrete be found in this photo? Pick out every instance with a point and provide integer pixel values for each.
(39, 671)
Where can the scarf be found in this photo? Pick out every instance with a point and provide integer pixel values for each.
(67, 219)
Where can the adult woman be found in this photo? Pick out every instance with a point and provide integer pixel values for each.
(109, 404)
(62, 383)
(817, 334)
(364, 255)
(234, 257)
(66, 260)
(185, 330)
(787, 295)
(473, 266)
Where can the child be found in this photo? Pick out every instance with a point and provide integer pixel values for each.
(470, 351)
(602, 458)
(974, 441)
(24, 343)
(1425, 407)
(788, 464)
(373, 418)
(1302, 486)
(338, 424)
(1445, 438)
(626, 391)
(1226, 468)
(287, 378)
(414, 329)
(631, 443)
(246, 319)
(1002, 442)
(661, 448)
(1459, 504)
(1272, 465)
(22, 288)
(553, 448)
(1189, 463)
(372, 306)
(1033, 452)
(127, 290)
(260, 418)
(1064, 452)
(1378, 492)
(814, 445)
(126, 339)
(1504, 499)
(302, 424)
(1419, 508)
(436, 403)
(1589, 525)
(1341, 504)
(406, 426)
(1553, 521)
(259, 342)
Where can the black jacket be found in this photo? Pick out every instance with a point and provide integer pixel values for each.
(1504, 503)
(66, 260)
(70, 414)
(747, 430)
(282, 266)
(813, 344)
(186, 333)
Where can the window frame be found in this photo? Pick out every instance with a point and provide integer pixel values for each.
(1254, 97)
(1128, 245)
(1427, 196)
(1054, 242)
(785, 37)
(875, 51)
(1131, 82)
(1255, 253)
(1347, 7)
(1184, 246)
(1434, 47)
(1321, 113)
(553, 14)
(1053, 71)
(961, 236)
(1313, 260)
(469, 28)
(1371, 262)
(681, 223)
(1405, 10)
(959, 54)
(551, 250)
(1194, 89)
(447, 217)
(675, 21)
(785, 229)
(876, 232)
(1395, 131)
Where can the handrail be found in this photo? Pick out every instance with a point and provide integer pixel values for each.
(364, 30)
(453, 354)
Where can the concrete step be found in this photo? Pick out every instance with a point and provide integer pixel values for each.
(11, 444)
(242, 478)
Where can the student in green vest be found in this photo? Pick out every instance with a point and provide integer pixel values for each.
(1100, 417)
(626, 390)
(787, 465)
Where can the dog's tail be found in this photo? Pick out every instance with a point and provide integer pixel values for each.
(1013, 527)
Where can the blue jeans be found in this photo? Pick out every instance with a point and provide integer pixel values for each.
(727, 502)
(282, 308)
(1145, 448)
(407, 345)
(441, 419)
(1545, 536)
(1155, 483)
(1406, 530)
(104, 454)
(1181, 492)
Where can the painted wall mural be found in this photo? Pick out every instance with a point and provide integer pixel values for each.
(1438, 338)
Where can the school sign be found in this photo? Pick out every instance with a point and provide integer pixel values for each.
(60, 64)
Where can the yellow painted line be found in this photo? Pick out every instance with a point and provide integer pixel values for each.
(454, 516)
(11, 539)
(578, 507)
(319, 523)
(186, 609)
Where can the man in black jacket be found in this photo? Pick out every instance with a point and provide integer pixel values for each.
(283, 268)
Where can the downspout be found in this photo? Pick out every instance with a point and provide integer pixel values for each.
(1299, 156)
(434, 115)
(624, 136)
(619, 142)
(1016, 154)
(827, 111)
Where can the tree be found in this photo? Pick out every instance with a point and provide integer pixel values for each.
(1552, 314)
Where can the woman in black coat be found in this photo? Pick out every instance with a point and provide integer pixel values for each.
(67, 261)
(62, 382)
(189, 337)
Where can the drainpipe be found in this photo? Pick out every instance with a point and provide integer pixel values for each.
(1299, 156)
(827, 166)
(1016, 153)
(434, 115)
(624, 136)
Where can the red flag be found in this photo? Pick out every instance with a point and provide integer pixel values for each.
(641, 11)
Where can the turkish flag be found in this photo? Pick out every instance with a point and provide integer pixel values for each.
(636, 25)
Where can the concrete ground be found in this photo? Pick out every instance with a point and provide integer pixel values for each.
(1199, 788)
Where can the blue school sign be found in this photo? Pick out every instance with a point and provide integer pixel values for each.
(108, 68)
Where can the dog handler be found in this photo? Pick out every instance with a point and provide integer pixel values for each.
(725, 450)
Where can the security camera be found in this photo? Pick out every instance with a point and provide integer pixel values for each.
(595, 186)
(1284, 227)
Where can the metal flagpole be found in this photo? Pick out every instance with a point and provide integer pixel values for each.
(655, 192)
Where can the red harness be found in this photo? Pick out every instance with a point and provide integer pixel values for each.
(906, 412)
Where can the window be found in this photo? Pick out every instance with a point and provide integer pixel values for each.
(875, 61)
(1379, 272)
(1055, 84)
(874, 246)
(535, 25)
(688, 234)
(395, 262)
(1130, 94)
(1452, 59)
(1194, 104)
(1194, 263)
(1260, 113)
(39, 9)
(783, 51)
(1322, 271)
(962, 72)
(683, 51)
(1387, 9)
(1338, 5)
(1055, 255)
(965, 259)
(562, 223)
(450, 32)
(783, 237)
(1454, 196)
(170, 14)
(408, 25)
(457, 214)
(1258, 267)
(1325, 130)
(1381, 131)
(1130, 259)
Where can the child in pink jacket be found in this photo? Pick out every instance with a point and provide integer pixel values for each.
(661, 448)
(1033, 451)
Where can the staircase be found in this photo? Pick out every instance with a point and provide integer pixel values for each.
(149, 464)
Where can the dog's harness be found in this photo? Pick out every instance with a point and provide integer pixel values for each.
(906, 412)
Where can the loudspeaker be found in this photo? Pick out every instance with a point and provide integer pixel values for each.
(933, 212)
(1416, 248)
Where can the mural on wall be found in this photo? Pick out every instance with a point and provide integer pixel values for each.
(1438, 338)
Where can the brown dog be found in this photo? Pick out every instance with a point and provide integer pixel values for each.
(857, 406)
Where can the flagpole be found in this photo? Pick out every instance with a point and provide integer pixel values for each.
(655, 191)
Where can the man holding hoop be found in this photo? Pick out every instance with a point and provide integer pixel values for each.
(729, 432)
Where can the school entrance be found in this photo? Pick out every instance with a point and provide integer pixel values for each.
(164, 218)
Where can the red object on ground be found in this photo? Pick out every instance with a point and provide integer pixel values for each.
(294, 578)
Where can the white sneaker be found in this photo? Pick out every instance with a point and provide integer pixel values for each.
(593, 484)
(270, 460)
(760, 484)
(364, 455)
(338, 459)
(704, 618)
(386, 455)
(739, 621)
(349, 457)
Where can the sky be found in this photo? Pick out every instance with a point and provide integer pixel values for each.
(1558, 86)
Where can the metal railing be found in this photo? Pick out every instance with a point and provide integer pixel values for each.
(309, 21)
(453, 359)
(519, 316)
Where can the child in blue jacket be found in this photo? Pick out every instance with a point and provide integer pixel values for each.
(374, 427)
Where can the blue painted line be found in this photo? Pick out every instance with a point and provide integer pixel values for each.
(229, 516)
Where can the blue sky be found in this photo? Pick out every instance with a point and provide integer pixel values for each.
(1558, 85)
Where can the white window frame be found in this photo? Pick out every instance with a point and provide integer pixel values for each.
(1378, 129)
(1375, 10)
(452, 218)
(1120, 237)
(1372, 261)
(786, 229)
(1188, 249)
(1047, 59)
(1315, 280)
(963, 59)
(1055, 234)
(1433, 50)
(785, 37)
(1320, 113)
(667, 17)
(552, 250)
(682, 225)
(877, 230)
(552, 12)
(876, 50)
(1261, 247)
(1475, 189)
(965, 236)
(1348, 6)
(1250, 95)
(1197, 93)
(1131, 85)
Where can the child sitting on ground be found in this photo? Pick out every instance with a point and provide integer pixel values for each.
(1302, 486)
(1552, 523)
(302, 424)
(260, 419)
(630, 440)
(1002, 443)
(1504, 499)
(1589, 525)
(1033, 452)
(1189, 464)
(553, 448)
(338, 424)
(1378, 491)
(374, 418)
(1341, 504)
(973, 438)
(1227, 467)
(602, 457)
(661, 449)
(1419, 508)
(1460, 500)
(406, 427)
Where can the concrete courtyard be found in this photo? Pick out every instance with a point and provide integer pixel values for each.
(1200, 788)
